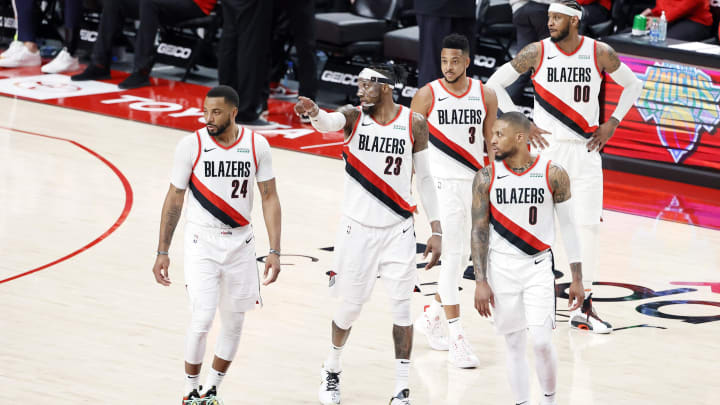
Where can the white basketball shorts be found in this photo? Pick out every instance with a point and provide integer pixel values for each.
(221, 268)
(524, 288)
(363, 253)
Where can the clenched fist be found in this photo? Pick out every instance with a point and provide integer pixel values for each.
(305, 106)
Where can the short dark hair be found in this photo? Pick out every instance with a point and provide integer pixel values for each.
(394, 72)
(571, 3)
(516, 119)
(228, 93)
(457, 41)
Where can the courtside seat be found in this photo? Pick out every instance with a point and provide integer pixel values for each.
(357, 32)
(402, 44)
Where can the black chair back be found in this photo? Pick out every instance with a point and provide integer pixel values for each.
(378, 9)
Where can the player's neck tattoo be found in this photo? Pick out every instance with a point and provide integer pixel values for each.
(523, 168)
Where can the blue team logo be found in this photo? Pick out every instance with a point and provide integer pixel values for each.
(683, 102)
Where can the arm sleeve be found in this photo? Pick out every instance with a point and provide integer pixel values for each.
(501, 79)
(566, 220)
(425, 185)
(632, 87)
(328, 122)
(264, 159)
(185, 154)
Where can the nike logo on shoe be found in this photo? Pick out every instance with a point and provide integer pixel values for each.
(502, 177)
(208, 150)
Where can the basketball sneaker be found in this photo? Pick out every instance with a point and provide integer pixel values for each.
(22, 57)
(329, 392)
(193, 398)
(210, 397)
(433, 330)
(402, 398)
(585, 318)
(63, 62)
(12, 48)
(280, 91)
(461, 354)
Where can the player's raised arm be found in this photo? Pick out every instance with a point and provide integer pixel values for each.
(560, 182)
(480, 239)
(426, 188)
(609, 62)
(491, 104)
(344, 118)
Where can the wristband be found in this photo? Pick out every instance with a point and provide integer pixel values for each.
(437, 234)
(160, 252)
(274, 252)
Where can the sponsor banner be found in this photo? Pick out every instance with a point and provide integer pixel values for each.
(46, 87)
(675, 119)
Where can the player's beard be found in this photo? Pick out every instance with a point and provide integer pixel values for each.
(368, 108)
(220, 129)
(563, 34)
(456, 79)
(500, 156)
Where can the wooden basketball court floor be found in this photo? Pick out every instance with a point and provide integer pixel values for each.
(96, 328)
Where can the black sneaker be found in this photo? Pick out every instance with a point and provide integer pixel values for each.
(135, 80)
(92, 72)
(193, 398)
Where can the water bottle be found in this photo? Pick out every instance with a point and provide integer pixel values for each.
(663, 27)
(654, 30)
(289, 75)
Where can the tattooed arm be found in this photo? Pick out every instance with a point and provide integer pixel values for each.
(171, 211)
(560, 182)
(272, 213)
(352, 114)
(480, 241)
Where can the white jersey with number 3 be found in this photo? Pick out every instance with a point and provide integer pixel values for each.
(567, 89)
(455, 123)
(521, 209)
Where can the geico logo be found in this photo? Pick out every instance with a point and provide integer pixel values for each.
(338, 77)
(174, 50)
(485, 61)
(89, 36)
(409, 91)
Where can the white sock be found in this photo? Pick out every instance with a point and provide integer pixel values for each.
(548, 399)
(192, 382)
(435, 309)
(402, 374)
(332, 362)
(214, 378)
(455, 328)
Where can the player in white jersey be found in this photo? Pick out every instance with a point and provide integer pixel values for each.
(219, 163)
(567, 75)
(514, 205)
(384, 143)
(460, 112)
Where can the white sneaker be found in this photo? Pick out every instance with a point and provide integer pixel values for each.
(63, 62)
(402, 398)
(329, 392)
(433, 330)
(22, 57)
(585, 318)
(461, 354)
(12, 48)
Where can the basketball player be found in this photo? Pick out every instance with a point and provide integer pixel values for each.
(460, 112)
(384, 143)
(219, 163)
(567, 75)
(512, 259)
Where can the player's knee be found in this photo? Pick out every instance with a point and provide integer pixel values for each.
(347, 313)
(401, 312)
(201, 321)
(515, 341)
(232, 323)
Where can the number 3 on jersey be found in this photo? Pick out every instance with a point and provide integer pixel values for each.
(243, 189)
